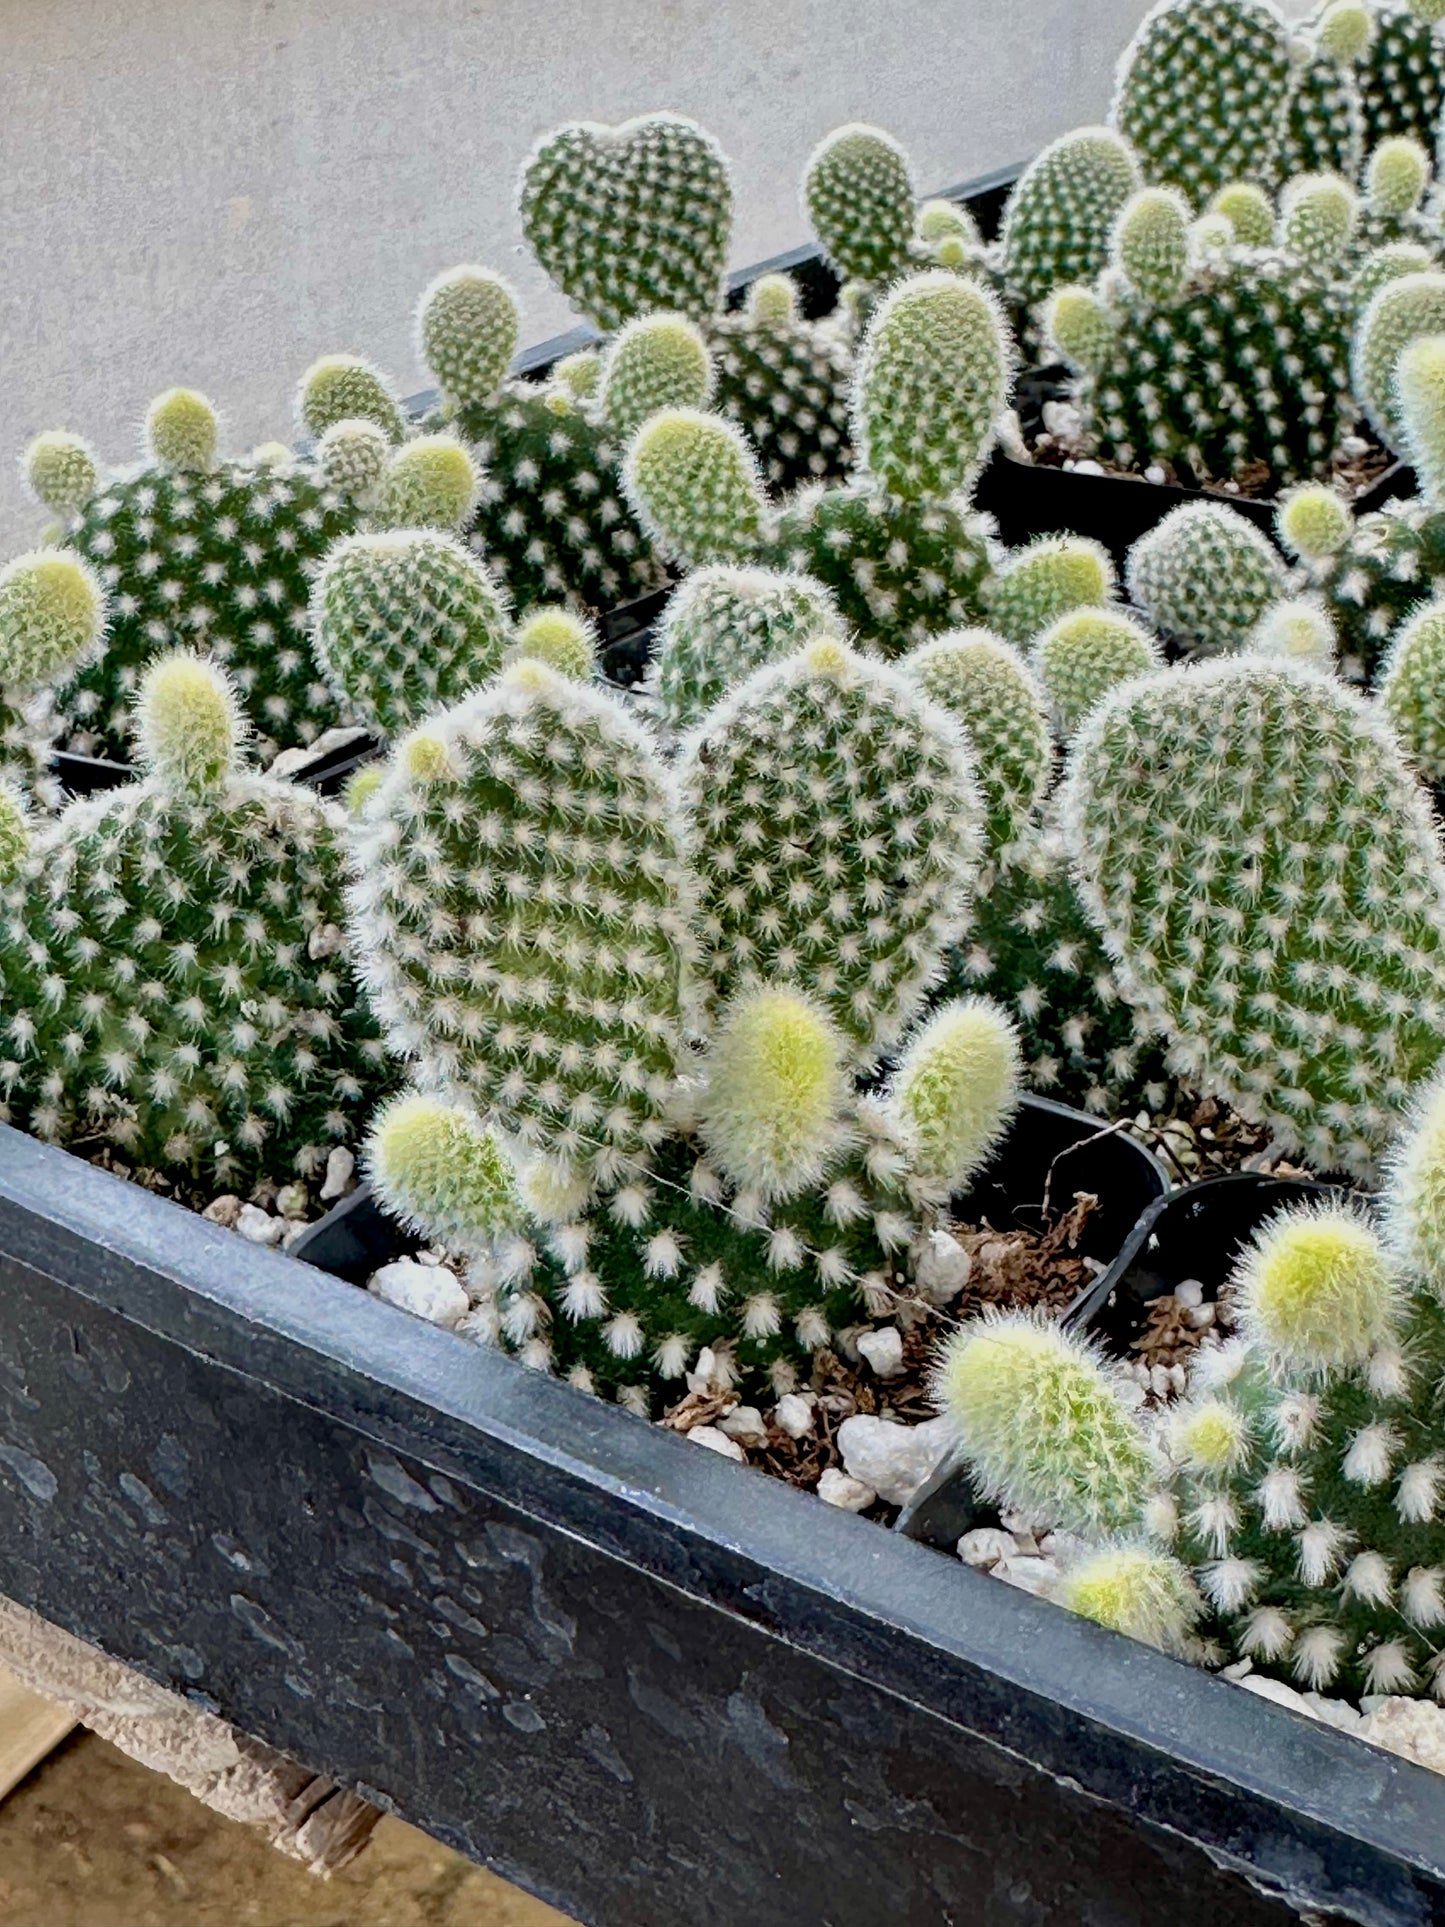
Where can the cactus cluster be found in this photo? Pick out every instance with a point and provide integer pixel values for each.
(722, 624)
(535, 896)
(1290, 1512)
(200, 552)
(175, 969)
(859, 198)
(1214, 360)
(550, 520)
(784, 381)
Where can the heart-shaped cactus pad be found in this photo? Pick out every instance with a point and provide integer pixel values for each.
(633, 219)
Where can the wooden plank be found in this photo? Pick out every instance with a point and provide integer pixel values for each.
(30, 1728)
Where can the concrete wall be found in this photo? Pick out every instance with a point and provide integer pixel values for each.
(216, 191)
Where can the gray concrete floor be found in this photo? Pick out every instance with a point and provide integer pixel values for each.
(215, 191)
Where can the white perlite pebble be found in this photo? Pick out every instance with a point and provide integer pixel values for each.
(745, 1424)
(427, 1291)
(259, 1226)
(224, 1210)
(893, 1459)
(340, 1169)
(794, 1414)
(986, 1545)
(941, 1268)
(1276, 1690)
(1189, 1294)
(1038, 1576)
(849, 1495)
(717, 1441)
(1415, 1729)
(883, 1350)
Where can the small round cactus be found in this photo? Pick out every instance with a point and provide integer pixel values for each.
(1204, 575)
(1314, 522)
(181, 430)
(1248, 210)
(933, 376)
(1081, 328)
(1345, 30)
(60, 472)
(1318, 214)
(579, 375)
(772, 301)
(52, 617)
(725, 622)
(1412, 689)
(340, 387)
(955, 1090)
(989, 687)
(430, 482)
(1041, 1425)
(405, 621)
(1317, 1289)
(1396, 176)
(858, 195)
(1297, 629)
(1057, 224)
(1420, 398)
(437, 1169)
(1083, 655)
(693, 481)
(352, 457)
(1135, 1590)
(1038, 584)
(657, 361)
(1400, 312)
(1151, 242)
(467, 324)
(189, 725)
(772, 1109)
(565, 642)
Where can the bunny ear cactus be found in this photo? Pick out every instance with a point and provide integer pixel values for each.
(861, 898)
(1396, 180)
(1204, 576)
(785, 382)
(1297, 629)
(899, 548)
(1059, 218)
(351, 458)
(430, 482)
(526, 920)
(61, 472)
(207, 1030)
(520, 912)
(211, 554)
(859, 198)
(1324, 127)
(52, 619)
(1214, 358)
(1038, 584)
(1402, 76)
(405, 622)
(548, 518)
(565, 642)
(722, 624)
(1402, 311)
(1201, 93)
(693, 482)
(1309, 999)
(631, 220)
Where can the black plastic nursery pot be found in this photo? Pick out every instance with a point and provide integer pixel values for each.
(641, 1681)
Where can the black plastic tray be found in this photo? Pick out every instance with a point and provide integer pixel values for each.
(644, 1683)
